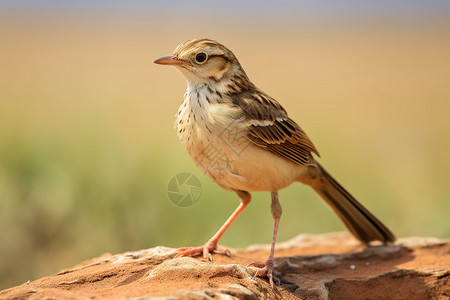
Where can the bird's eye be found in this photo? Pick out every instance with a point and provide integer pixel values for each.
(201, 57)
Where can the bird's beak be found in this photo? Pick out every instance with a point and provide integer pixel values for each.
(169, 60)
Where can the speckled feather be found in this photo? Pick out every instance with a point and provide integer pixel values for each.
(270, 127)
(245, 140)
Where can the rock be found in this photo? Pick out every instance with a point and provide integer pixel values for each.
(331, 266)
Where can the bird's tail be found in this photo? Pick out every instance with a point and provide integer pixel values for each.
(359, 221)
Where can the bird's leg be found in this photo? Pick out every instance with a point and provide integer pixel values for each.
(211, 245)
(266, 269)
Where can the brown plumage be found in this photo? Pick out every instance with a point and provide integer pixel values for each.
(245, 141)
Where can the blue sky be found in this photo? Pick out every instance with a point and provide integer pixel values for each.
(311, 7)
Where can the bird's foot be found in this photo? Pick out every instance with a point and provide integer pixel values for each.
(204, 250)
(265, 270)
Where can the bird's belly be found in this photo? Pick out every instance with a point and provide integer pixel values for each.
(256, 169)
(235, 163)
(218, 144)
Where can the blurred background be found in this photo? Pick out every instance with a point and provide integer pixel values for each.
(87, 144)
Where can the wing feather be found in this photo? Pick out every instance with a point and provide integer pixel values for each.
(272, 129)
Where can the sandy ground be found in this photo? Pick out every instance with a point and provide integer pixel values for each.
(330, 266)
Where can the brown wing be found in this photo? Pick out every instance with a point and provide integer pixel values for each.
(284, 138)
(273, 130)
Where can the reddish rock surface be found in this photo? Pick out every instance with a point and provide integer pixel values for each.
(332, 266)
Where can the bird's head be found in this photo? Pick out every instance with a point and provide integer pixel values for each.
(202, 60)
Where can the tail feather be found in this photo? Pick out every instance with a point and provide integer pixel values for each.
(360, 222)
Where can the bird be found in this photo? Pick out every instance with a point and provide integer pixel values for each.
(245, 141)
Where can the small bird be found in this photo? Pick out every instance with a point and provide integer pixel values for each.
(245, 141)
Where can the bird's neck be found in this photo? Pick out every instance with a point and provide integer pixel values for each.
(217, 90)
(204, 99)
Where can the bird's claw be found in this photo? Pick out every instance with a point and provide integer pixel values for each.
(264, 270)
(227, 252)
(205, 250)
